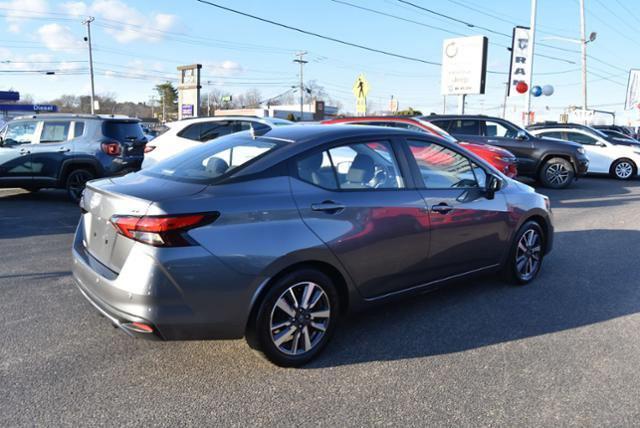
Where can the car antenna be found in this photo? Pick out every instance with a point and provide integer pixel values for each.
(252, 131)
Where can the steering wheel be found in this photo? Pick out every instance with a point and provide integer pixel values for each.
(380, 177)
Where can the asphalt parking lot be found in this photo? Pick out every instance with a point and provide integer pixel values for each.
(562, 351)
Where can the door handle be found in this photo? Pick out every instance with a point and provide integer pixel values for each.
(329, 207)
(442, 208)
(24, 152)
(64, 150)
(493, 141)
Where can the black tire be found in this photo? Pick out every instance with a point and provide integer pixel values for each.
(513, 267)
(262, 336)
(557, 173)
(623, 169)
(75, 182)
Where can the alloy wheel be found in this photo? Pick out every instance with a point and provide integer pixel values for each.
(76, 182)
(528, 254)
(624, 170)
(300, 318)
(557, 174)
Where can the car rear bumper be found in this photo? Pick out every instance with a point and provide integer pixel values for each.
(159, 295)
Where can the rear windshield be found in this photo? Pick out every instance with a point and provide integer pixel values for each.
(122, 131)
(212, 161)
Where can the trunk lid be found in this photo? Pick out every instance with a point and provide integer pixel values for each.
(132, 194)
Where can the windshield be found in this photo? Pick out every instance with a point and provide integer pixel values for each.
(211, 161)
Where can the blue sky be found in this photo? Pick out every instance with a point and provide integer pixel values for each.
(139, 42)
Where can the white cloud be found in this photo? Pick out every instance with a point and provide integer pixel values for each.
(123, 22)
(223, 69)
(18, 11)
(58, 38)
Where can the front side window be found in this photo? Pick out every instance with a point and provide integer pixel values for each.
(498, 129)
(557, 135)
(581, 138)
(363, 166)
(55, 132)
(442, 168)
(209, 162)
(20, 133)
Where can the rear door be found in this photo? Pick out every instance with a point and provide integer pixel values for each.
(357, 200)
(503, 134)
(15, 153)
(468, 231)
(53, 147)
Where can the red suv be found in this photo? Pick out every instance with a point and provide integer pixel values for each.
(502, 159)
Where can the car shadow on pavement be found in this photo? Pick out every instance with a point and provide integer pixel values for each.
(48, 212)
(568, 294)
(593, 192)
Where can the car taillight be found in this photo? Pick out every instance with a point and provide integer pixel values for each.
(111, 148)
(161, 231)
(148, 148)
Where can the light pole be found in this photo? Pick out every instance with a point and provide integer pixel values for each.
(300, 60)
(583, 43)
(88, 22)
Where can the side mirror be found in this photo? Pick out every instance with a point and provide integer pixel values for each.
(521, 135)
(494, 184)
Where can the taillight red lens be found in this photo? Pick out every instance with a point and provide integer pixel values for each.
(148, 148)
(161, 231)
(111, 148)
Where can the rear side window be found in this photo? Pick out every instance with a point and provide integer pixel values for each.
(364, 166)
(191, 132)
(122, 131)
(212, 130)
(209, 162)
(55, 132)
(257, 126)
(464, 127)
(78, 129)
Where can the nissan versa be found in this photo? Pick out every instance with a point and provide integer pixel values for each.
(274, 237)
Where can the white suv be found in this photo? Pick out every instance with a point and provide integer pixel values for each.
(188, 133)
(621, 161)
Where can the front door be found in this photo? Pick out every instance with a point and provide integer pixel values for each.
(469, 232)
(15, 153)
(355, 198)
(599, 153)
(503, 134)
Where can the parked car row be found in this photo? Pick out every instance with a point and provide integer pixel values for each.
(275, 233)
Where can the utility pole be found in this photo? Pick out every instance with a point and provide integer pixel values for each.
(88, 22)
(583, 42)
(532, 42)
(300, 60)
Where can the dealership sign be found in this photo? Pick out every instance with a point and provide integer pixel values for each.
(633, 91)
(464, 65)
(520, 70)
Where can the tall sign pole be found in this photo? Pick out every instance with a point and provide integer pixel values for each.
(300, 60)
(532, 42)
(88, 22)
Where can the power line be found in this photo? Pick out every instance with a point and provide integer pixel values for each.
(311, 33)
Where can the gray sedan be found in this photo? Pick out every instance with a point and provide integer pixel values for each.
(274, 237)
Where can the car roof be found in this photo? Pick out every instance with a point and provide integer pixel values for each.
(365, 118)
(457, 116)
(76, 116)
